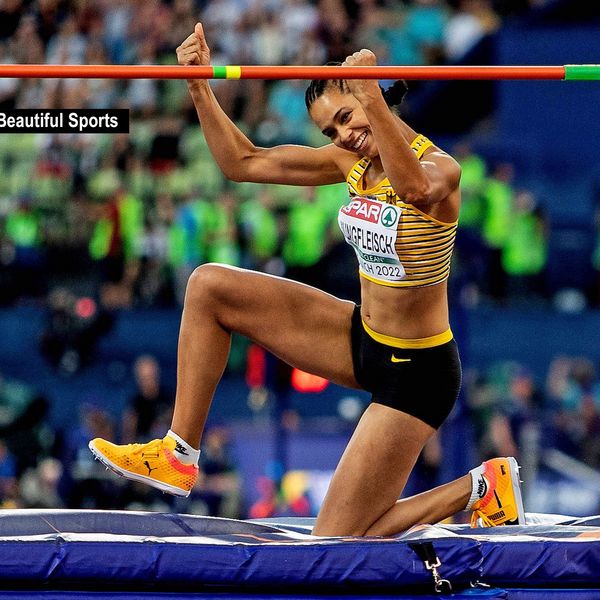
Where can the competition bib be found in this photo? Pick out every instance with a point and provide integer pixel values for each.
(371, 228)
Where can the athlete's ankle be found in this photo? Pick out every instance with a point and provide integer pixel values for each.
(478, 486)
(183, 452)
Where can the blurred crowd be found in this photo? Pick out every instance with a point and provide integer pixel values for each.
(94, 223)
(126, 218)
(510, 412)
(502, 244)
(45, 468)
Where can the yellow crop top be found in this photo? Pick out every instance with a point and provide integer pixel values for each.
(396, 244)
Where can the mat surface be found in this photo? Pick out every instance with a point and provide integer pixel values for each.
(56, 549)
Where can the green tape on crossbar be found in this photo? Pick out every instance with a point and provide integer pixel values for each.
(228, 72)
(220, 72)
(582, 72)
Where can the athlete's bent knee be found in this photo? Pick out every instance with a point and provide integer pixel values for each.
(207, 282)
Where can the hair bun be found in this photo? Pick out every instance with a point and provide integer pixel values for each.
(395, 94)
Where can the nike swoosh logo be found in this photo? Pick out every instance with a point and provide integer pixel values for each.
(397, 360)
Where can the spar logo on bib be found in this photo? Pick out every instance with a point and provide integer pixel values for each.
(389, 216)
(372, 211)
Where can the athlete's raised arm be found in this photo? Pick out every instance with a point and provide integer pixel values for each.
(432, 179)
(238, 158)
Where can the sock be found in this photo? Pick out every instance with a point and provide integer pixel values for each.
(183, 452)
(479, 486)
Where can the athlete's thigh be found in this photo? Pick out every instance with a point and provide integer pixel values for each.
(372, 471)
(304, 326)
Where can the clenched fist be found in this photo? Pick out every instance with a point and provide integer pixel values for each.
(362, 89)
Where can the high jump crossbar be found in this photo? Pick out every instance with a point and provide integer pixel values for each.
(37, 71)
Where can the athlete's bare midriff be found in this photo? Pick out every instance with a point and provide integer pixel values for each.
(403, 312)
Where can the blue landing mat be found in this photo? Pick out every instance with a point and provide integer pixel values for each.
(164, 555)
(495, 594)
(501, 594)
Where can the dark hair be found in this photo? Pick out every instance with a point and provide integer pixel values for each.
(393, 96)
(317, 87)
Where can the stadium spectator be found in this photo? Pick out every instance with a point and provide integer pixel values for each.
(574, 397)
(220, 488)
(470, 248)
(470, 22)
(525, 251)
(498, 195)
(518, 410)
(147, 407)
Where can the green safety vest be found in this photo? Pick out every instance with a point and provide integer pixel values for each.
(23, 229)
(307, 234)
(472, 181)
(222, 247)
(498, 212)
(131, 222)
(261, 225)
(176, 245)
(99, 243)
(525, 250)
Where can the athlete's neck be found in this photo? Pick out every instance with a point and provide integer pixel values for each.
(373, 173)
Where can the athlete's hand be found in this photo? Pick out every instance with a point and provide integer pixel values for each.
(194, 50)
(362, 89)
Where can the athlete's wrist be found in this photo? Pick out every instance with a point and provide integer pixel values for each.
(198, 85)
(371, 98)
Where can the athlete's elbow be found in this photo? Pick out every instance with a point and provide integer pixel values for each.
(234, 175)
(243, 168)
(234, 170)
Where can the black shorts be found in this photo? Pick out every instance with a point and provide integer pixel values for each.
(422, 382)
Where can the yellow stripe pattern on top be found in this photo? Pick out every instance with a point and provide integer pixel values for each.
(423, 244)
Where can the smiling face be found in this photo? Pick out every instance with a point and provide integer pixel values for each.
(341, 118)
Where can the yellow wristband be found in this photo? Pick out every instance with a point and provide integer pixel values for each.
(420, 144)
